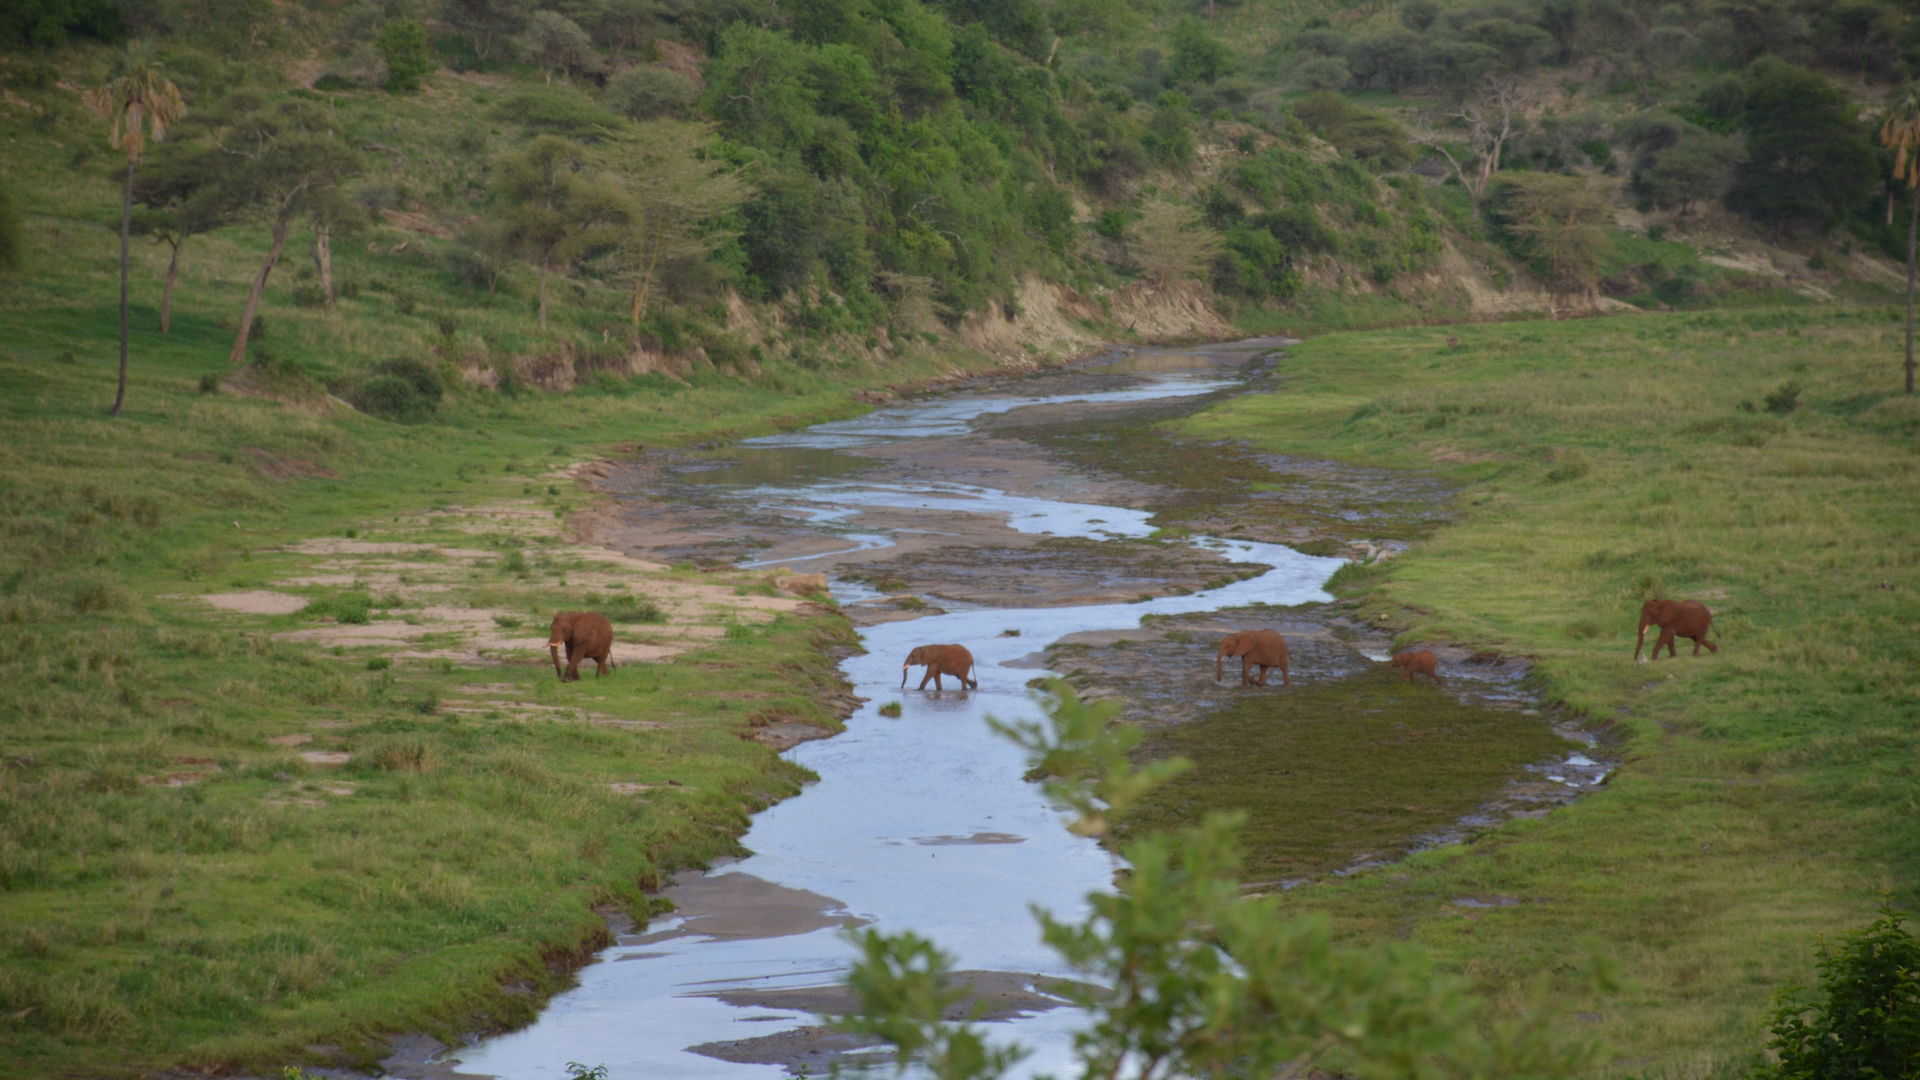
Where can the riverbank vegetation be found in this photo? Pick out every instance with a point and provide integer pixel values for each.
(425, 845)
(1762, 462)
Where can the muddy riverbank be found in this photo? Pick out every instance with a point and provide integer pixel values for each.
(1046, 524)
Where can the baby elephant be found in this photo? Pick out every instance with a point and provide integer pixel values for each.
(1421, 663)
(587, 636)
(940, 660)
(1264, 649)
(1675, 618)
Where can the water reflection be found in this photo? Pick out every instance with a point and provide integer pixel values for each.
(874, 840)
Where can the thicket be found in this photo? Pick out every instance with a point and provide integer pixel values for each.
(900, 163)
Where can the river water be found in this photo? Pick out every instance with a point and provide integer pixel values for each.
(920, 822)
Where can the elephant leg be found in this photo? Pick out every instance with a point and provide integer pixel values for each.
(924, 679)
(604, 663)
(1666, 638)
(1286, 679)
(1702, 640)
(573, 664)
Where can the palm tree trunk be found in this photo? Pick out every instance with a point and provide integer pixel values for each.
(166, 291)
(281, 226)
(323, 261)
(1913, 232)
(126, 269)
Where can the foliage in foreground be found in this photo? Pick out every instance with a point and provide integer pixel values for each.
(1864, 1024)
(1185, 977)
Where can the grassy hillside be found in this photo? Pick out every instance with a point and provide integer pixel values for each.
(175, 886)
(1762, 462)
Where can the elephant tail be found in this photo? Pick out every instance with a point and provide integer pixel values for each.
(971, 677)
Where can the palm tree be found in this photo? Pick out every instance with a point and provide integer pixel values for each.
(1901, 131)
(138, 102)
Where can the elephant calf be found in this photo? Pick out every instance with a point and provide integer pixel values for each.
(587, 636)
(952, 660)
(1418, 663)
(1264, 649)
(1675, 618)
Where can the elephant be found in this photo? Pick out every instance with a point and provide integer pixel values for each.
(1264, 649)
(940, 660)
(587, 636)
(1675, 618)
(1422, 663)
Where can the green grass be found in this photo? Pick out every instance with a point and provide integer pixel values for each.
(1767, 792)
(1339, 772)
(447, 875)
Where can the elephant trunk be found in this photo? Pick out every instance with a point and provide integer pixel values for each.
(1219, 665)
(903, 676)
(553, 648)
(1640, 641)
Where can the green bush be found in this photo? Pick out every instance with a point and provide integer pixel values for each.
(1864, 1022)
(636, 611)
(1784, 398)
(647, 92)
(346, 607)
(403, 44)
(403, 390)
(560, 111)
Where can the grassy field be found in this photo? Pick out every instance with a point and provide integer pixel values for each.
(1760, 461)
(175, 887)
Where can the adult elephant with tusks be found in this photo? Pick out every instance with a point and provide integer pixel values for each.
(1675, 618)
(586, 636)
(940, 660)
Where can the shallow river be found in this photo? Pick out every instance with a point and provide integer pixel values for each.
(920, 822)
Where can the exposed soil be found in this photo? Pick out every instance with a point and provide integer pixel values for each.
(989, 996)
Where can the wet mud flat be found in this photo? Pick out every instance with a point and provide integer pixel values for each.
(1350, 766)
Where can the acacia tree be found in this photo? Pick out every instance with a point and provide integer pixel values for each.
(1171, 242)
(1491, 119)
(138, 102)
(183, 192)
(1556, 221)
(558, 212)
(1901, 131)
(675, 192)
(287, 162)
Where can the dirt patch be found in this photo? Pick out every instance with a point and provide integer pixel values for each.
(987, 996)
(325, 758)
(257, 602)
(787, 735)
(740, 905)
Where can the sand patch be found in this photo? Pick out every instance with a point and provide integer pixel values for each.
(325, 758)
(257, 602)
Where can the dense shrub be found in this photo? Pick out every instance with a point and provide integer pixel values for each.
(402, 390)
(1864, 1022)
(647, 92)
